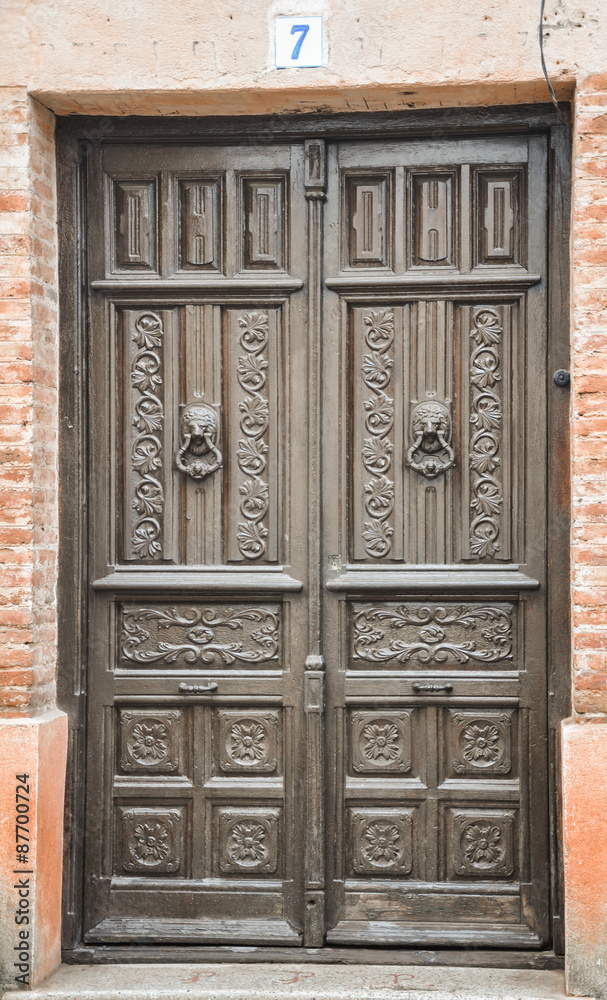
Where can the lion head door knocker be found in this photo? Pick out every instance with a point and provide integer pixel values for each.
(198, 454)
(430, 452)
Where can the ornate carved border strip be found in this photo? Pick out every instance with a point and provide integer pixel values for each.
(146, 451)
(253, 448)
(378, 448)
(485, 440)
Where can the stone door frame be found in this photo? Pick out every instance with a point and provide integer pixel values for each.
(75, 135)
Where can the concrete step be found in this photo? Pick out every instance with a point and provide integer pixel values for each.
(294, 982)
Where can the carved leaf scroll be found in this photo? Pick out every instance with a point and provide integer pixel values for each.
(146, 450)
(199, 635)
(253, 448)
(378, 448)
(486, 417)
(433, 633)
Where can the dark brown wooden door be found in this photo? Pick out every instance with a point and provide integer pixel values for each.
(317, 681)
(435, 445)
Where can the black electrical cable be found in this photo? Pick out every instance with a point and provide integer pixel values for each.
(550, 87)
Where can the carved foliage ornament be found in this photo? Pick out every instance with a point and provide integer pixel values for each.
(146, 450)
(430, 453)
(198, 635)
(486, 417)
(198, 454)
(433, 634)
(253, 448)
(378, 448)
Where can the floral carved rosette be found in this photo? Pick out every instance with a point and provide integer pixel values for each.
(146, 450)
(252, 447)
(485, 419)
(377, 449)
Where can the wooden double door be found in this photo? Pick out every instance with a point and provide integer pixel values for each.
(317, 472)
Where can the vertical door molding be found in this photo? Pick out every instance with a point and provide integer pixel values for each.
(315, 187)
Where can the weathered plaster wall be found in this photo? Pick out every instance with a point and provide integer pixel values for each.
(158, 57)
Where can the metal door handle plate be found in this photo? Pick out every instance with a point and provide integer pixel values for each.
(432, 688)
(198, 688)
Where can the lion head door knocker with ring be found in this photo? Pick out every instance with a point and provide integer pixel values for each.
(198, 454)
(430, 453)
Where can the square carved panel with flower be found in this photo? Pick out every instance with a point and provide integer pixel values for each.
(247, 841)
(151, 742)
(380, 742)
(381, 841)
(151, 840)
(479, 743)
(248, 742)
(481, 843)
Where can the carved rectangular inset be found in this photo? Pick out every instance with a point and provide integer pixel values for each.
(247, 742)
(489, 384)
(499, 212)
(479, 744)
(145, 463)
(264, 222)
(375, 461)
(432, 213)
(200, 636)
(135, 225)
(247, 841)
(151, 840)
(200, 217)
(381, 841)
(367, 234)
(481, 843)
(251, 366)
(380, 742)
(415, 634)
(151, 742)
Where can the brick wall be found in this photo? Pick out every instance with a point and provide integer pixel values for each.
(28, 405)
(589, 398)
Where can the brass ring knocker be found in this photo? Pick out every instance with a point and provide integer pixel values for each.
(430, 453)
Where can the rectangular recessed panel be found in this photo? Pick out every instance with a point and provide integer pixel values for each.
(433, 204)
(200, 221)
(135, 225)
(499, 213)
(367, 225)
(264, 223)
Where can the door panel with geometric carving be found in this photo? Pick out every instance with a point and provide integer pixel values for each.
(317, 467)
(434, 341)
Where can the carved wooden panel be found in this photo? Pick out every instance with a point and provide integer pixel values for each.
(442, 634)
(376, 498)
(200, 216)
(265, 221)
(135, 225)
(380, 742)
(488, 417)
(381, 841)
(367, 221)
(499, 215)
(479, 744)
(482, 843)
(151, 840)
(247, 841)
(251, 362)
(188, 635)
(151, 742)
(146, 464)
(432, 213)
(248, 742)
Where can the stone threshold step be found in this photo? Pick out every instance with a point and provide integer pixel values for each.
(294, 982)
